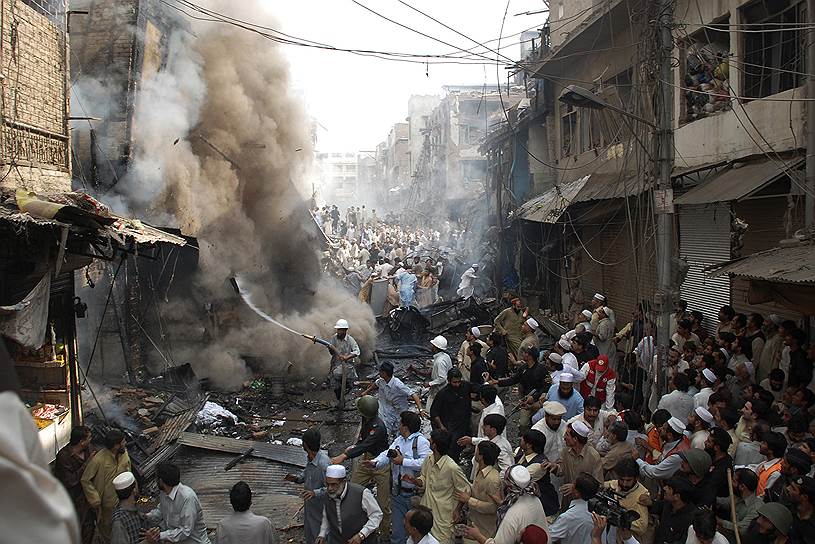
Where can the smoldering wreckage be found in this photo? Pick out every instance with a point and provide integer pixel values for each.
(164, 348)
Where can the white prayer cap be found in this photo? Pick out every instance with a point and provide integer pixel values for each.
(599, 297)
(475, 331)
(438, 263)
(123, 481)
(566, 377)
(564, 344)
(607, 310)
(555, 357)
(709, 375)
(586, 313)
(520, 475)
(554, 408)
(581, 428)
(751, 368)
(775, 318)
(571, 334)
(475, 265)
(677, 425)
(335, 471)
(704, 414)
(532, 324)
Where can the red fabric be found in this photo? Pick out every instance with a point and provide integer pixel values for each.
(596, 380)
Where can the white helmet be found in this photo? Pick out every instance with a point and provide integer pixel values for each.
(341, 324)
(440, 342)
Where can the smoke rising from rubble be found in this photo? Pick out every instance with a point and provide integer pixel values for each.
(216, 133)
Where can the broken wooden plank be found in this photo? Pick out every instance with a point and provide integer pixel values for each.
(238, 459)
(290, 455)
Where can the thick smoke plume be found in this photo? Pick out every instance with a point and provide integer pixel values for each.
(221, 147)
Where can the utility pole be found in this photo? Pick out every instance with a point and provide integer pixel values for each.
(809, 199)
(663, 195)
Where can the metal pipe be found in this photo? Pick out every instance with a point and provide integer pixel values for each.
(664, 193)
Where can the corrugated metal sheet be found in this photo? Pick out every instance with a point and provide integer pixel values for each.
(292, 455)
(271, 495)
(781, 264)
(734, 183)
(704, 240)
(548, 207)
(613, 185)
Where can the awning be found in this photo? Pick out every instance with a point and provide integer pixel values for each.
(736, 182)
(781, 264)
(548, 207)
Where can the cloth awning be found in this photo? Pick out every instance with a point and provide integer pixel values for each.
(794, 264)
(549, 206)
(736, 182)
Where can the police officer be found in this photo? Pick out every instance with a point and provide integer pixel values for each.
(772, 525)
(373, 439)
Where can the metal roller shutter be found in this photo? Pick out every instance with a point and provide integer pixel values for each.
(704, 240)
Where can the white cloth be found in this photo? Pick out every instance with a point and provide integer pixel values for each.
(369, 506)
(394, 398)
(496, 407)
(667, 466)
(505, 456)
(527, 511)
(698, 439)
(438, 375)
(574, 526)
(554, 439)
(645, 352)
(678, 403)
(718, 538)
(595, 431)
(426, 539)
(701, 398)
(180, 516)
(611, 386)
(245, 528)
(465, 287)
(37, 507)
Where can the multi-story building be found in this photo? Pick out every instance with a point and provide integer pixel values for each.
(420, 107)
(337, 174)
(398, 157)
(739, 137)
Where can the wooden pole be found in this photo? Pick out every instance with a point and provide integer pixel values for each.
(733, 505)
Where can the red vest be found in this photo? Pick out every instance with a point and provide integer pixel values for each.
(681, 446)
(597, 382)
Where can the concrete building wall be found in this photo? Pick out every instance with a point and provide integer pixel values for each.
(34, 142)
(567, 15)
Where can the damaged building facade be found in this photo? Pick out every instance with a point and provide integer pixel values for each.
(587, 223)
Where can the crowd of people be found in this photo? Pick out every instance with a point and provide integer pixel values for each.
(727, 454)
(413, 261)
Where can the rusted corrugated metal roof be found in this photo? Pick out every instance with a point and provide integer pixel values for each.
(271, 495)
(736, 182)
(292, 455)
(548, 207)
(782, 264)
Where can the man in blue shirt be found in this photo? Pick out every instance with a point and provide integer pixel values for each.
(565, 393)
(574, 526)
(405, 455)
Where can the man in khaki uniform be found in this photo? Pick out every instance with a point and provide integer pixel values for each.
(484, 500)
(97, 480)
(508, 324)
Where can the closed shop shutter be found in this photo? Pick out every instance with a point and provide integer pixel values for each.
(704, 240)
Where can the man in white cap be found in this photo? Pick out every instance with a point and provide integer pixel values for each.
(508, 324)
(441, 365)
(598, 301)
(565, 393)
(584, 319)
(465, 286)
(604, 336)
(708, 380)
(528, 329)
(577, 457)
(675, 442)
(471, 336)
(553, 428)
(344, 350)
(351, 514)
(179, 513)
(699, 423)
(126, 524)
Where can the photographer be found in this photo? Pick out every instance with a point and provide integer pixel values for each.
(405, 455)
(632, 496)
(574, 526)
(600, 524)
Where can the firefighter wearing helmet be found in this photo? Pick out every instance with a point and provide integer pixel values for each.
(344, 351)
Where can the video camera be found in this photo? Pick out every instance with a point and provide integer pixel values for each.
(605, 503)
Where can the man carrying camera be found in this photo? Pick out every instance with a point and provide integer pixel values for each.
(574, 526)
(405, 455)
(632, 496)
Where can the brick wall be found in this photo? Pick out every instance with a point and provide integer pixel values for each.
(34, 140)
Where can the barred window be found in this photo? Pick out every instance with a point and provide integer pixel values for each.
(55, 10)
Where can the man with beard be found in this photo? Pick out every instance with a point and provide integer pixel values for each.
(677, 512)
(68, 468)
(619, 448)
(531, 452)
(772, 447)
(596, 303)
(351, 514)
(531, 378)
(772, 526)
(699, 422)
(553, 428)
(794, 465)
(564, 393)
(708, 381)
(802, 495)
(694, 468)
(678, 402)
(471, 336)
(632, 496)
(669, 461)
(451, 410)
(530, 339)
(97, 480)
(604, 336)
(715, 482)
(600, 381)
(577, 457)
(774, 383)
(508, 324)
(744, 489)
(344, 349)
